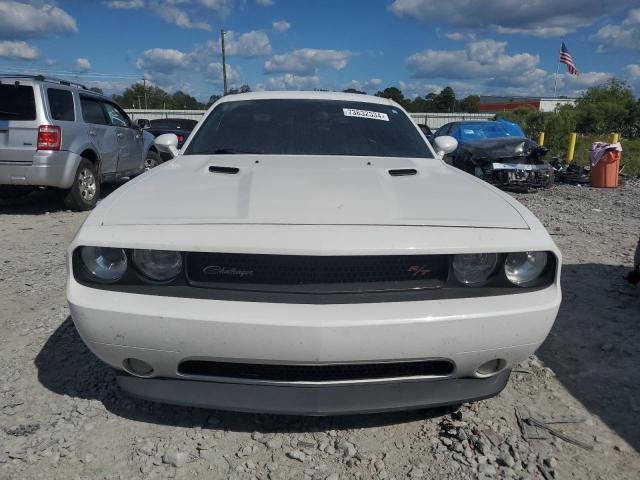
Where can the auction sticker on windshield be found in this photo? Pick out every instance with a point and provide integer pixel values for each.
(352, 112)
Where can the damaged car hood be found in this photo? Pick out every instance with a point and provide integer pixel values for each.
(308, 190)
(502, 148)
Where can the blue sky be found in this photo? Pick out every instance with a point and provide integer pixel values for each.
(498, 47)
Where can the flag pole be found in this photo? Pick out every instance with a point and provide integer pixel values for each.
(555, 83)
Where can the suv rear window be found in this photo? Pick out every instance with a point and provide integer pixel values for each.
(61, 104)
(17, 102)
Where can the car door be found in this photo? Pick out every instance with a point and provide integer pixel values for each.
(129, 139)
(101, 134)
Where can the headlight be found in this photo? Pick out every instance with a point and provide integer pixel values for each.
(103, 263)
(474, 269)
(522, 268)
(158, 265)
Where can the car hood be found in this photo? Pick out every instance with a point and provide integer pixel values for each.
(308, 190)
(503, 147)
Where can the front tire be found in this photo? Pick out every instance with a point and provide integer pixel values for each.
(85, 191)
(152, 160)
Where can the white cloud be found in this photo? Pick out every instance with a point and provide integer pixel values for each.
(480, 59)
(163, 60)
(179, 17)
(416, 89)
(23, 20)
(365, 85)
(289, 81)
(264, 3)
(458, 36)
(250, 44)
(125, 4)
(281, 26)
(222, 7)
(307, 61)
(626, 35)
(633, 70)
(83, 65)
(214, 71)
(532, 17)
(17, 50)
(578, 83)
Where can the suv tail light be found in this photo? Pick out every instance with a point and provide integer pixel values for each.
(49, 137)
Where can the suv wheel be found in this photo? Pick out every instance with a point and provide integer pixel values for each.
(153, 160)
(84, 193)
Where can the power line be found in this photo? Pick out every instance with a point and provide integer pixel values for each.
(71, 73)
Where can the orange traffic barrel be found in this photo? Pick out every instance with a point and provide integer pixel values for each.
(604, 174)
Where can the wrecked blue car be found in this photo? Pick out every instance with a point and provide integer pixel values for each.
(499, 153)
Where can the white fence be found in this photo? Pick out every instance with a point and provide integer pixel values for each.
(152, 114)
(432, 120)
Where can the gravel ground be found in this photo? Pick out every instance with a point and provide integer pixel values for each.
(63, 417)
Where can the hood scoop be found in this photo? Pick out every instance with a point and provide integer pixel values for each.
(225, 170)
(403, 172)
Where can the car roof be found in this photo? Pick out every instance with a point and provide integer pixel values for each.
(307, 95)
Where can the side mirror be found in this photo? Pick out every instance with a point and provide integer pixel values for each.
(445, 144)
(167, 142)
(143, 123)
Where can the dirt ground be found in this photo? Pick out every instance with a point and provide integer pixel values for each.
(63, 417)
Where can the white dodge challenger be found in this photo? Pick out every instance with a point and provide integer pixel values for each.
(311, 253)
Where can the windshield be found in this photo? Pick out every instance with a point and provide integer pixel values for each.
(479, 131)
(308, 127)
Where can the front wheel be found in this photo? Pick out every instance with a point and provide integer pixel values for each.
(152, 161)
(84, 193)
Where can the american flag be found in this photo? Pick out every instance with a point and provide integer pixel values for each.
(565, 57)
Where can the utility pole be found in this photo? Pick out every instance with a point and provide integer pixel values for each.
(144, 87)
(224, 63)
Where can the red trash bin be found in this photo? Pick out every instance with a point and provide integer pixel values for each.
(604, 174)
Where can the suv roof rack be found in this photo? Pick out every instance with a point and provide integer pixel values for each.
(43, 78)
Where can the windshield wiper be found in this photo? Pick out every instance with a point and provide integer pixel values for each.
(13, 114)
(233, 151)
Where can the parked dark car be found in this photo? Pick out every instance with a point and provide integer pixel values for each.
(180, 127)
(499, 153)
(425, 129)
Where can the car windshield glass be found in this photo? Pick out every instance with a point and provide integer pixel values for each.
(479, 131)
(308, 127)
(173, 124)
(17, 102)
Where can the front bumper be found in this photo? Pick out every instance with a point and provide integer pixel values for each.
(325, 400)
(48, 169)
(165, 331)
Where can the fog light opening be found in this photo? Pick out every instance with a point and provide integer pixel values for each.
(137, 367)
(491, 367)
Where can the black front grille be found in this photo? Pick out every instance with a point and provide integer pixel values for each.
(316, 274)
(316, 373)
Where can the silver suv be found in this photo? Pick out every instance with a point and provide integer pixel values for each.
(58, 134)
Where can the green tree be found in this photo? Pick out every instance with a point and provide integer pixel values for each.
(353, 90)
(137, 96)
(97, 90)
(183, 101)
(394, 94)
(242, 89)
(445, 101)
(213, 99)
(470, 104)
